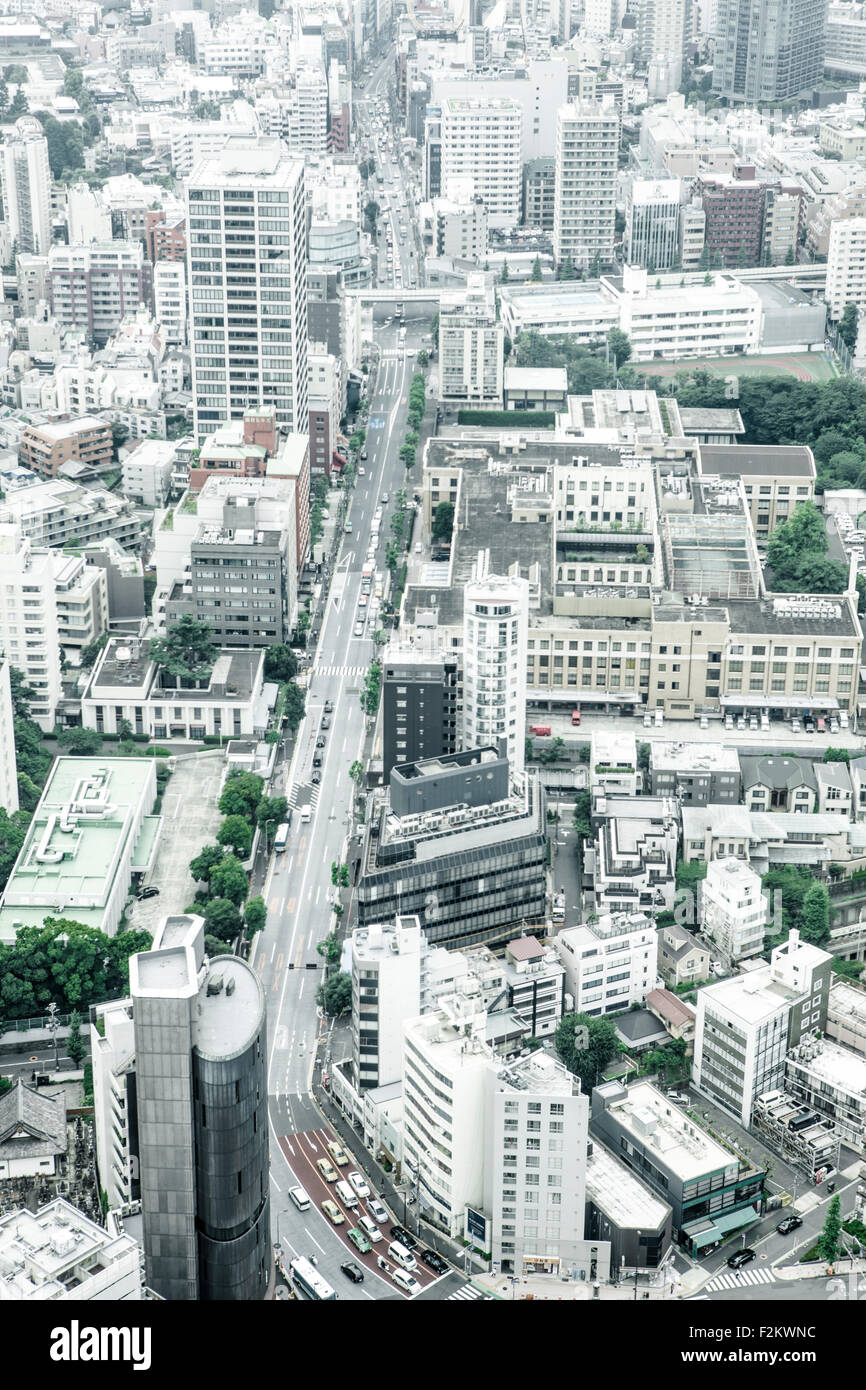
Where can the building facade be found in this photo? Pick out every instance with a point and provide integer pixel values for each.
(587, 147)
(495, 625)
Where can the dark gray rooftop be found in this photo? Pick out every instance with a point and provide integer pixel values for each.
(32, 1125)
(757, 615)
(766, 460)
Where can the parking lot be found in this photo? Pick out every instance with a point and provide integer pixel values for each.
(190, 821)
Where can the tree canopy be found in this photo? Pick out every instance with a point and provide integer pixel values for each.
(187, 651)
(40, 968)
(590, 1061)
(796, 555)
(241, 795)
(281, 664)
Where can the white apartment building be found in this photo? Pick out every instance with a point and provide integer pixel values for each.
(247, 222)
(845, 44)
(610, 963)
(326, 396)
(734, 908)
(613, 763)
(631, 864)
(58, 1254)
(308, 117)
(746, 1025)
(652, 223)
(112, 1050)
(59, 513)
(587, 151)
(28, 618)
(81, 597)
(495, 623)
(386, 990)
(87, 217)
(846, 1016)
(26, 176)
(662, 30)
(535, 1167)
(8, 769)
(147, 472)
(481, 140)
(471, 346)
(169, 300)
(94, 287)
(538, 87)
(846, 265)
(459, 228)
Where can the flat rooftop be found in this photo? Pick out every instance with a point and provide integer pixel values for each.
(838, 1066)
(671, 755)
(765, 460)
(622, 1197)
(659, 1126)
(46, 1255)
(231, 1009)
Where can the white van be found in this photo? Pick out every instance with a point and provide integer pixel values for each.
(347, 1194)
(306, 815)
(401, 1256)
(300, 1198)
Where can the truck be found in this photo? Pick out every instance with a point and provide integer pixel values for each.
(366, 578)
(575, 717)
(542, 730)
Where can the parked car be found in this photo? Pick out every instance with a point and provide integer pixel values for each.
(399, 1233)
(729, 721)
(363, 453)
(790, 1223)
(333, 1213)
(433, 1260)
(740, 1258)
(352, 1271)
(821, 725)
(348, 528)
(358, 630)
(149, 892)
(357, 1181)
(359, 1240)
(362, 472)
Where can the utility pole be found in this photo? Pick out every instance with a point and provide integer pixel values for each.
(53, 1025)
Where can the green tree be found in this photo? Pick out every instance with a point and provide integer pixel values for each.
(620, 345)
(80, 741)
(228, 880)
(371, 214)
(64, 963)
(186, 652)
(335, 994)
(204, 862)
(222, 919)
(20, 105)
(372, 686)
(815, 921)
(423, 357)
(294, 706)
(273, 809)
(586, 1062)
(443, 521)
(214, 947)
(119, 436)
(503, 274)
(536, 275)
(582, 819)
(124, 730)
(235, 834)
(828, 1241)
(568, 270)
(241, 795)
(74, 1043)
(255, 914)
(281, 664)
(22, 694)
(90, 652)
(848, 326)
(356, 772)
(793, 883)
(13, 832)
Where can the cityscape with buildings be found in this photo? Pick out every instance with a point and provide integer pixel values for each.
(432, 674)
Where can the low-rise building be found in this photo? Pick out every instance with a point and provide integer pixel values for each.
(765, 839)
(57, 1254)
(778, 784)
(81, 600)
(112, 1055)
(86, 439)
(832, 1080)
(695, 773)
(610, 963)
(711, 1190)
(535, 388)
(613, 763)
(127, 684)
(147, 472)
(535, 985)
(60, 513)
(91, 831)
(631, 864)
(683, 958)
(846, 1016)
(776, 478)
(33, 1136)
(675, 1015)
(835, 790)
(625, 1211)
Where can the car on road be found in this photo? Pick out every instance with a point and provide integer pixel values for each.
(333, 1213)
(327, 1170)
(149, 892)
(359, 1240)
(433, 1260)
(326, 723)
(348, 528)
(740, 1258)
(363, 453)
(352, 1271)
(404, 1237)
(362, 601)
(790, 1223)
(337, 1152)
(362, 472)
(300, 1198)
(405, 1281)
(370, 1229)
(321, 741)
(329, 709)
(359, 629)
(386, 497)
(316, 778)
(377, 1210)
(357, 1181)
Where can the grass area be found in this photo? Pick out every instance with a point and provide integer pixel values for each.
(806, 366)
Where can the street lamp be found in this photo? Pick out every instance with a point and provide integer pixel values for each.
(52, 1029)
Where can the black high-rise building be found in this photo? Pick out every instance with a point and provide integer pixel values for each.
(419, 693)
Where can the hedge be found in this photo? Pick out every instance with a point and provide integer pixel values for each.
(541, 419)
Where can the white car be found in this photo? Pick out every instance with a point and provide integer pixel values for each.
(370, 1229)
(405, 1281)
(362, 472)
(357, 1181)
(377, 1210)
(359, 629)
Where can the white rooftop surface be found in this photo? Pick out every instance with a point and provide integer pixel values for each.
(619, 1194)
(848, 1002)
(693, 757)
(838, 1066)
(536, 378)
(612, 746)
(226, 1023)
(750, 997)
(685, 1148)
(39, 1252)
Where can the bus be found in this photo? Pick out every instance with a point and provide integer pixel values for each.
(310, 1281)
(281, 838)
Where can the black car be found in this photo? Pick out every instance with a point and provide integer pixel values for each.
(404, 1237)
(329, 707)
(353, 1272)
(326, 723)
(434, 1261)
(316, 778)
(790, 1223)
(740, 1258)
(147, 893)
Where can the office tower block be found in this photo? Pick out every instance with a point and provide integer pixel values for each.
(202, 1097)
(481, 140)
(495, 624)
(652, 224)
(471, 345)
(26, 177)
(587, 149)
(768, 50)
(419, 701)
(247, 272)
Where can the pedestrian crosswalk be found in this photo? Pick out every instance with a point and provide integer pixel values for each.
(467, 1294)
(341, 670)
(741, 1279)
(311, 794)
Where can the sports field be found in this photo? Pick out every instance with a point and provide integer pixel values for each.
(805, 366)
